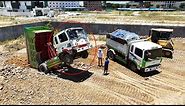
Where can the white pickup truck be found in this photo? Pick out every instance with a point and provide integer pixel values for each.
(133, 51)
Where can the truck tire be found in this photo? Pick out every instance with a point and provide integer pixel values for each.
(68, 59)
(133, 67)
(167, 54)
(43, 67)
(84, 54)
(111, 55)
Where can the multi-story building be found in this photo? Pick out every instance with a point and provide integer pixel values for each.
(133, 4)
(164, 4)
(93, 5)
(19, 8)
(22, 5)
(63, 4)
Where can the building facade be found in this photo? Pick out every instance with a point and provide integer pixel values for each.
(93, 5)
(63, 4)
(164, 4)
(21, 6)
(155, 4)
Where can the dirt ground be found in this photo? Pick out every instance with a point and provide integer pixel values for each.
(20, 84)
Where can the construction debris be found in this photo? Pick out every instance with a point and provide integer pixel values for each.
(10, 70)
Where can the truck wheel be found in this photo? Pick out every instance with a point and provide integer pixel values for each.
(84, 54)
(68, 59)
(111, 55)
(43, 68)
(133, 67)
(167, 54)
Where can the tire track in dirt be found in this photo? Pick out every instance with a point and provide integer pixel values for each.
(124, 98)
(94, 96)
(122, 88)
(146, 87)
(155, 86)
(167, 84)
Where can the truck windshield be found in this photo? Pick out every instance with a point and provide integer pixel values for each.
(76, 33)
(153, 54)
(165, 35)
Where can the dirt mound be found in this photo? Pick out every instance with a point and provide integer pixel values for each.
(20, 61)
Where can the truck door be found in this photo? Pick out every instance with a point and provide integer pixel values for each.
(62, 42)
(138, 54)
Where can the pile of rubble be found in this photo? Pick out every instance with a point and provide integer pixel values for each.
(21, 61)
(9, 71)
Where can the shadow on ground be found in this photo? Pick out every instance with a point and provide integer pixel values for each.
(142, 74)
(73, 74)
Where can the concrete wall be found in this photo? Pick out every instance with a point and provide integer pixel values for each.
(11, 32)
(179, 31)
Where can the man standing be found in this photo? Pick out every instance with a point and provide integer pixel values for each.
(100, 56)
(106, 66)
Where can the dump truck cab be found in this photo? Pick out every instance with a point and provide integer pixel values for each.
(73, 40)
(136, 53)
(146, 55)
(162, 37)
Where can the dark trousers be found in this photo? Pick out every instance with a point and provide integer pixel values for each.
(100, 63)
(105, 69)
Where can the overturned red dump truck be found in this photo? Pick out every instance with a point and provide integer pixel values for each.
(47, 51)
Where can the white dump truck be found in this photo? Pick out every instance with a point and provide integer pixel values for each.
(136, 53)
(72, 41)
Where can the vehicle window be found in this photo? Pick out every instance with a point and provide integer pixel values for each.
(76, 33)
(153, 54)
(62, 37)
(165, 35)
(72, 34)
(138, 52)
(56, 40)
(155, 36)
(132, 47)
